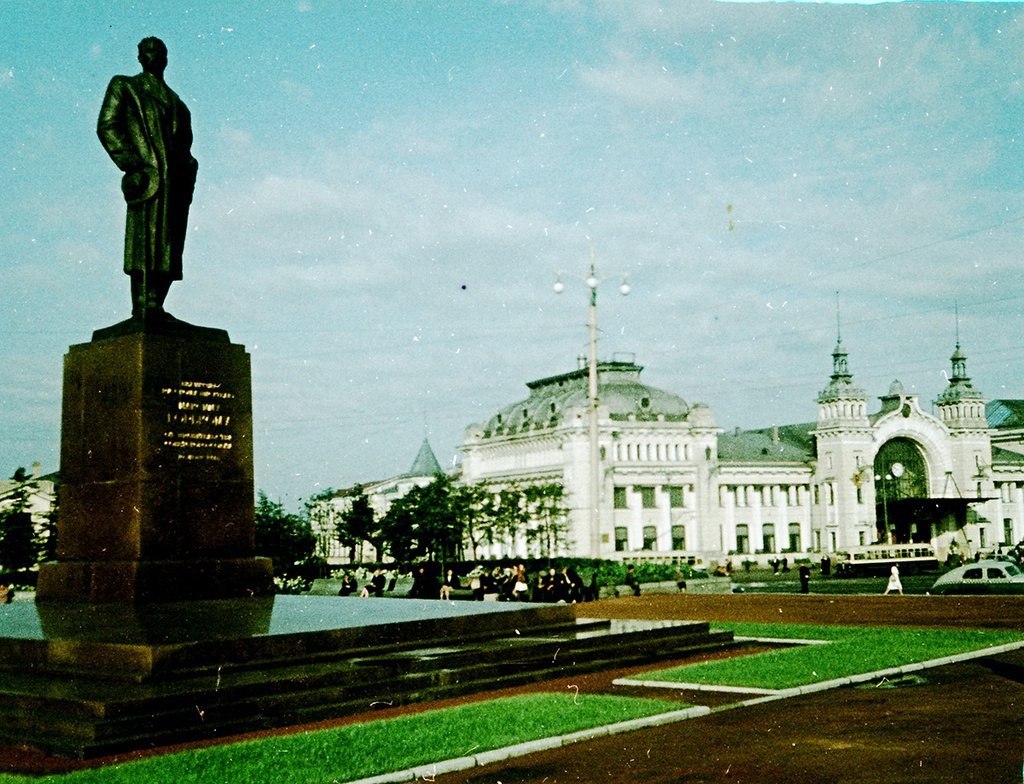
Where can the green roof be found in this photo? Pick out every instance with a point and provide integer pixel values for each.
(786, 443)
(1005, 413)
(619, 390)
(425, 463)
(1002, 456)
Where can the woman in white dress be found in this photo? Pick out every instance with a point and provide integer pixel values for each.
(894, 581)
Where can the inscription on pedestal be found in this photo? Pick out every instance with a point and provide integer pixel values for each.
(156, 473)
(198, 424)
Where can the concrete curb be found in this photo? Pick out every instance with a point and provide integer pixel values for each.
(835, 683)
(428, 772)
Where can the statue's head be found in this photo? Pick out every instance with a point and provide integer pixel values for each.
(153, 55)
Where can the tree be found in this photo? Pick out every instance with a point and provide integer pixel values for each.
(19, 547)
(422, 524)
(512, 516)
(545, 505)
(358, 524)
(473, 508)
(323, 518)
(287, 539)
(46, 534)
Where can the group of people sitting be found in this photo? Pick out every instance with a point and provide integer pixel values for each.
(511, 584)
(514, 585)
(374, 585)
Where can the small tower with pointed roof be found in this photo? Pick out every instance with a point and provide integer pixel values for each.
(843, 440)
(426, 463)
(961, 408)
(841, 404)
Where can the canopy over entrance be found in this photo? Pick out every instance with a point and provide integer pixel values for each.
(911, 520)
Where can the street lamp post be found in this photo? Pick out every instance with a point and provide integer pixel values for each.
(885, 502)
(896, 471)
(593, 282)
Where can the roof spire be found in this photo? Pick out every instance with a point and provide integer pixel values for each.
(839, 331)
(960, 403)
(840, 386)
(959, 359)
(840, 366)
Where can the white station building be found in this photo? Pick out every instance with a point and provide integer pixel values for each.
(674, 487)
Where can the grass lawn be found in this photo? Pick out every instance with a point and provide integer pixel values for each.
(361, 750)
(849, 651)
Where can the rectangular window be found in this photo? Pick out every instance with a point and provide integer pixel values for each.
(794, 538)
(621, 540)
(742, 539)
(619, 498)
(768, 537)
(678, 537)
(982, 536)
(1008, 530)
(675, 497)
(650, 537)
(647, 497)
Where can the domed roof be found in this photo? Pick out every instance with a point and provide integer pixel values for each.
(619, 391)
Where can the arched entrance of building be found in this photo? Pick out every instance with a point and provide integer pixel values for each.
(905, 512)
(901, 485)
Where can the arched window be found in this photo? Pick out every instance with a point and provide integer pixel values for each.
(901, 470)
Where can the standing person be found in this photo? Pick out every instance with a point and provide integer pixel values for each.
(146, 130)
(577, 591)
(420, 589)
(894, 581)
(631, 581)
(476, 583)
(805, 578)
(680, 580)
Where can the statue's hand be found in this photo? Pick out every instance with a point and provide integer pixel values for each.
(140, 185)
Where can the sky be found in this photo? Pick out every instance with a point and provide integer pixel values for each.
(388, 191)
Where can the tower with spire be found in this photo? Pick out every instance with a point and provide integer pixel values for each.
(841, 404)
(844, 448)
(961, 408)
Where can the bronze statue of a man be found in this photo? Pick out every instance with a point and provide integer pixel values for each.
(147, 131)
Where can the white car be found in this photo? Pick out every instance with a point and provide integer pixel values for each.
(988, 576)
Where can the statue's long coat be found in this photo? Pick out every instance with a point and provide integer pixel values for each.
(147, 131)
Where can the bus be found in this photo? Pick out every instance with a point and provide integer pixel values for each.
(879, 558)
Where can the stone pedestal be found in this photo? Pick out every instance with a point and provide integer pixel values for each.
(156, 492)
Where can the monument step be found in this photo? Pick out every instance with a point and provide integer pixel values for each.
(251, 700)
